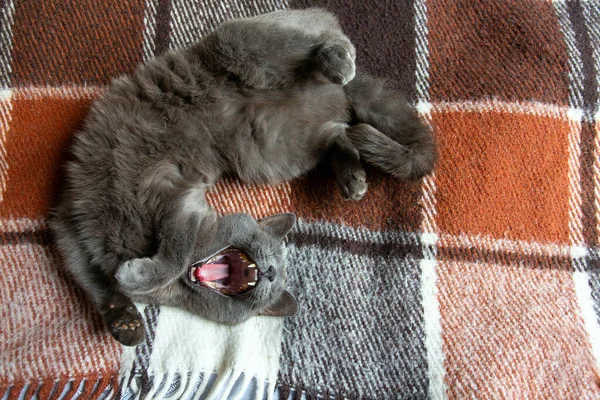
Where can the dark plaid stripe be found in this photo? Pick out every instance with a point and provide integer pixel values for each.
(503, 49)
(447, 253)
(163, 26)
(6, 20)
(593, 266)
(357, 247)
(410, 248)
(39, 237)
(582, 39)
(385, 45)
(588, 156)
(359, 332)
(581, 28)
(590, 100)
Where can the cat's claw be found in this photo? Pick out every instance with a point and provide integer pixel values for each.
(337, 62)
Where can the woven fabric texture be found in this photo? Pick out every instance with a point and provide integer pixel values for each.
(480, 281)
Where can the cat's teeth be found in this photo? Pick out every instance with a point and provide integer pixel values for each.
(193, 275)
(252, 266)
(251, 283)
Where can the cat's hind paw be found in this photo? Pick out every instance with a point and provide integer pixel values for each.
(139, 276)
(354, 185)
(125, 324)
(336, 62)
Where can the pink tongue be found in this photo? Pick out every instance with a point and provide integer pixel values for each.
(212, 272)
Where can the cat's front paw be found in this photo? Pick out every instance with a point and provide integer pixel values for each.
(336, 62)
(139, 276)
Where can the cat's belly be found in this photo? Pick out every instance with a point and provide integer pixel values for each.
(285, 137)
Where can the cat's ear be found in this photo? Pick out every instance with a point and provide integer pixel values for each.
(278, 225)
(286, 306)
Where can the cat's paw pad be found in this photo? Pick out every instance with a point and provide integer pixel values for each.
(125, 324)
(336, 62)
(354, 184)
(139, 275)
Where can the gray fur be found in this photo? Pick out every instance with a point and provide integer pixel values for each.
(260, 99)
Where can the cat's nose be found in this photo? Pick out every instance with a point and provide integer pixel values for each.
(270, 273)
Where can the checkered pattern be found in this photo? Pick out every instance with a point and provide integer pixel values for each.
(482, 280)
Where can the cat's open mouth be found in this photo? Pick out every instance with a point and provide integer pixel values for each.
(230, 272)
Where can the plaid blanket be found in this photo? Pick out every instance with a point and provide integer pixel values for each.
(481, 281)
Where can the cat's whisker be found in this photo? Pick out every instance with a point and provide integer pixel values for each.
(275, 251)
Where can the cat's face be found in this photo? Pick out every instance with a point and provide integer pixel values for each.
(245, 262)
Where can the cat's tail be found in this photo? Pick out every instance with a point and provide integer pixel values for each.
(388, 132)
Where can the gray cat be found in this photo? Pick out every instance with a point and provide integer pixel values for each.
(263, 99)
